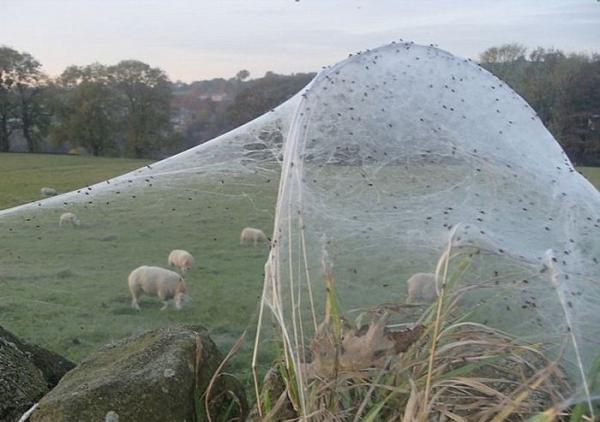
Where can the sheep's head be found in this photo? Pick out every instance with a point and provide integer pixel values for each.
(181, 296)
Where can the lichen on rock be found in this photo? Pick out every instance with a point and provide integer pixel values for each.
(148, 377)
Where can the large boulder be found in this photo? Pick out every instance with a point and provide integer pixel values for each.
(27, 372)
(155, 376)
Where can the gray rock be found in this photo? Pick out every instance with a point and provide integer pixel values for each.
(148, 377)
(27, 372)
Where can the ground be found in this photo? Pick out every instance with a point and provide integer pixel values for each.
(592, 174)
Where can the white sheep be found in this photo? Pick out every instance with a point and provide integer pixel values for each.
(421, 288)
(181, 259)
(48, 191)
(69, 218)
(252, 235)
(156, 281)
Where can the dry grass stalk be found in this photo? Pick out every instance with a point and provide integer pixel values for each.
(440, 369)
(218, 372)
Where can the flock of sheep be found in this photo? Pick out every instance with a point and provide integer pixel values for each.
(170, 286)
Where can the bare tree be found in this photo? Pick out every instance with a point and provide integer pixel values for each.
(503, 54)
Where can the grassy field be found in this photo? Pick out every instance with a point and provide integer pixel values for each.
(22, 175)
(592, 174)
(66, 289)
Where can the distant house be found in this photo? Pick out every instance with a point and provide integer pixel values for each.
(213, 97)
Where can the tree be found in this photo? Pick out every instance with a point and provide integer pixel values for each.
(34, 114)
(111, 109)
(262, 95)
(147, 106)
(576, 118)
(88, 108)
(22, 85)
(562, 89)
(8, 103)
(503, 54)
(242, 75)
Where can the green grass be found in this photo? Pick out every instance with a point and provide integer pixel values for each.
(23, 175)
(592, 174)
(66, 288)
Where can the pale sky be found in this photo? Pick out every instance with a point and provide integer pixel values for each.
(201, 39)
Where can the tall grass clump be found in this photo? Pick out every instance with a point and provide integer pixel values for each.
(219, 398)
(440, 366)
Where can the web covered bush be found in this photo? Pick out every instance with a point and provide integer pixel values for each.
(396, 154)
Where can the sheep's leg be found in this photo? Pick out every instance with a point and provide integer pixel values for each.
(136, 293)
(412, 293)
(164, 297)
(134, 304)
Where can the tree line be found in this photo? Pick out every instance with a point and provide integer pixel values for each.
(108, 110)
(133, 109)
(564, 90)
(210, 108)
(128, 109)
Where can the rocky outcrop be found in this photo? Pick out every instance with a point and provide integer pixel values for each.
(159, 375)
(27, 372)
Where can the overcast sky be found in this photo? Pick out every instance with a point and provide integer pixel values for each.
(200, 39)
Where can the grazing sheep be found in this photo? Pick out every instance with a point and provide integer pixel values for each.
(252, 235)
(69, 218)
(421, 288)
(48, 191)
(166, 284)
(181, 259)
